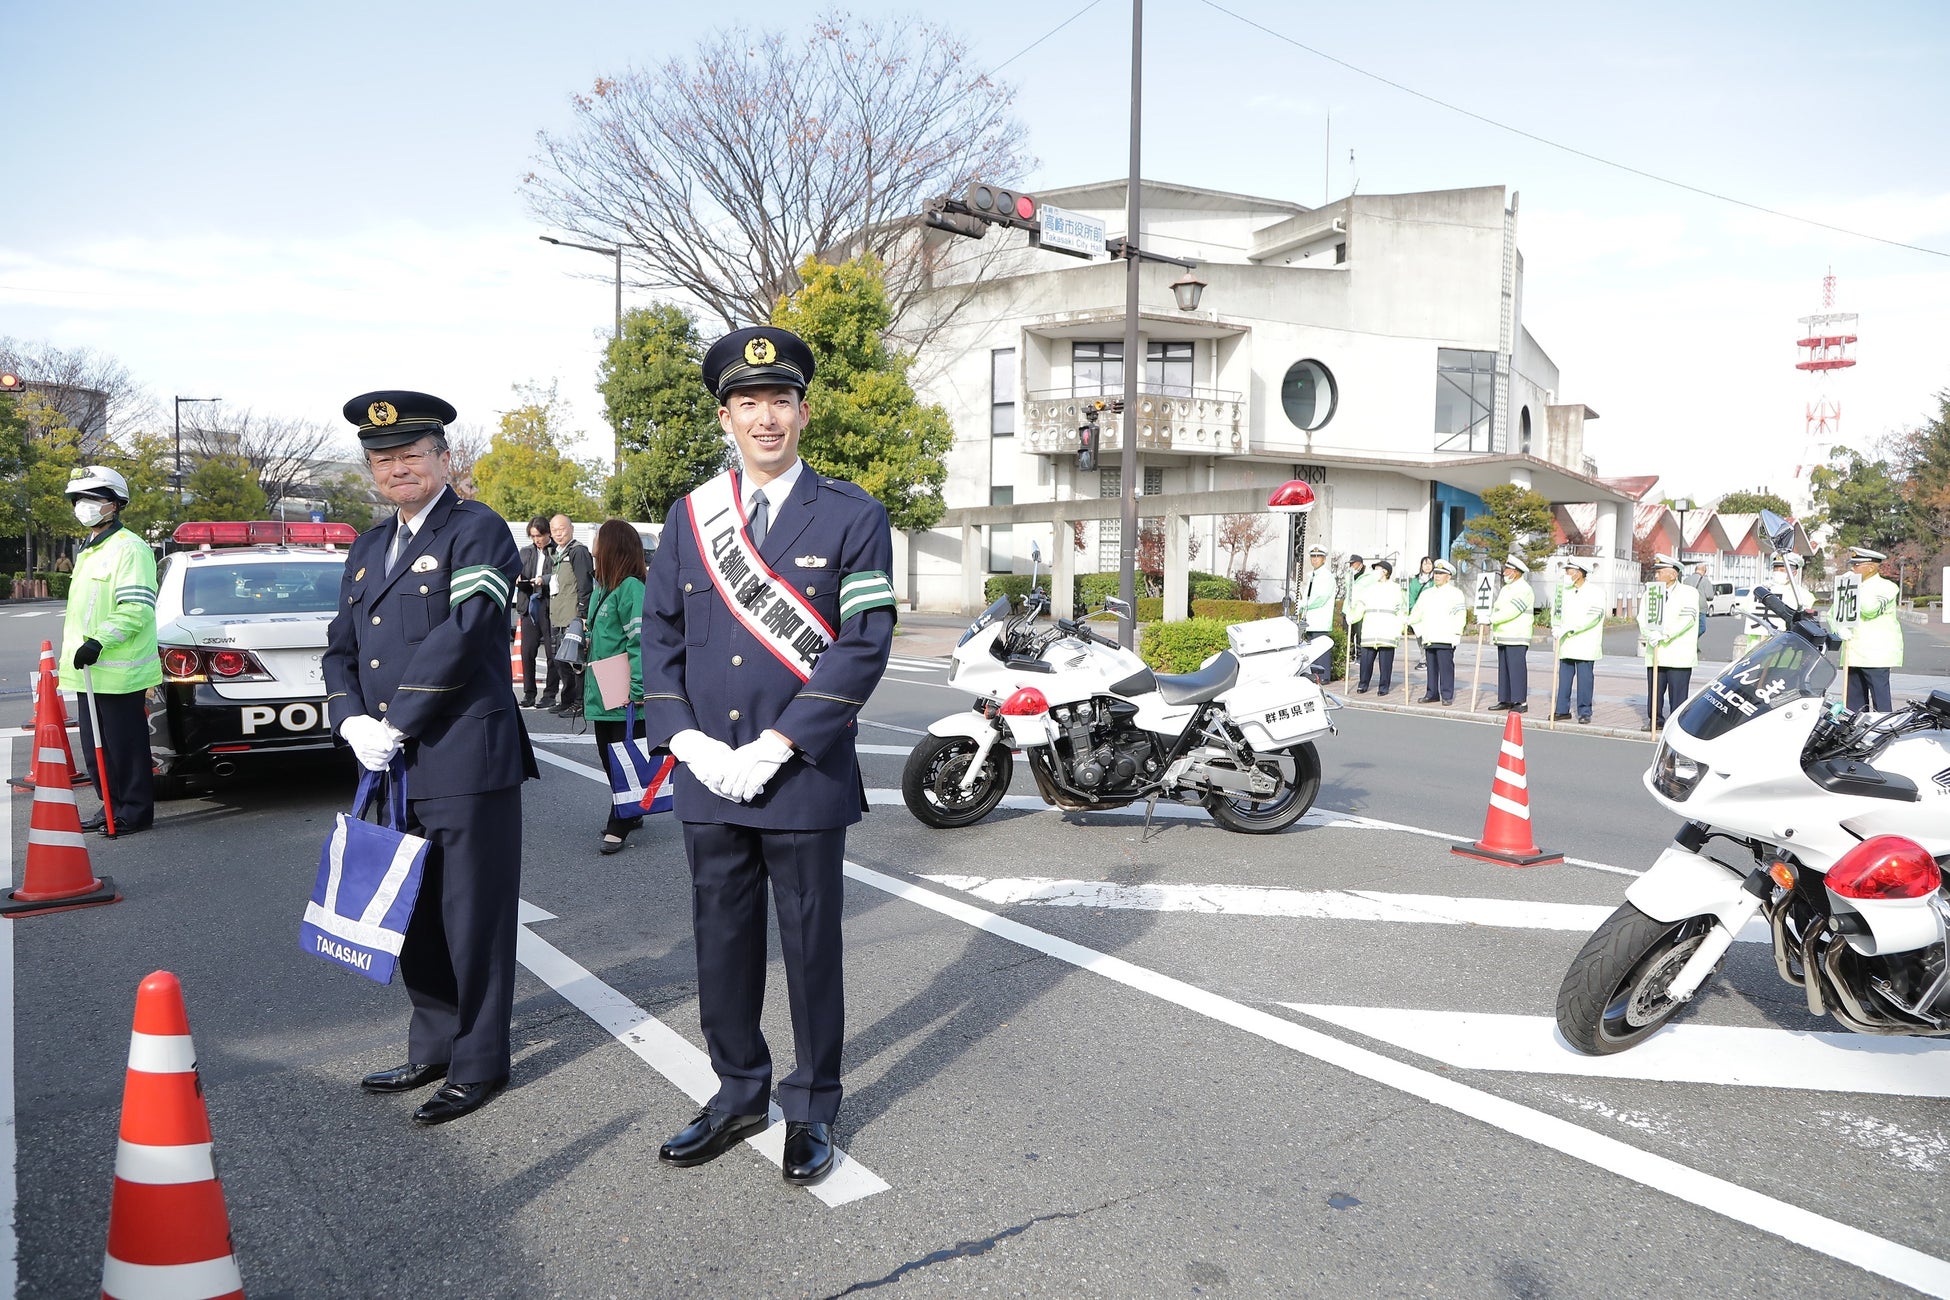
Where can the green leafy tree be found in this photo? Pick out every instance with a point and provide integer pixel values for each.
(654, 396)
(1922, 458)
(223, 487)
(1518, 518)
(867, 425)
(349, 499)
(1753, 502)
(144, 459)
(525, 472)
(1861, 500)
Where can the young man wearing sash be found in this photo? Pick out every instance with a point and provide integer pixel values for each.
(768, 616)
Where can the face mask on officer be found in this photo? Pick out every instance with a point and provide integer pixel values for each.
(91, 512)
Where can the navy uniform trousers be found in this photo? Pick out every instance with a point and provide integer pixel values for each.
(731, 867)
(131, 778)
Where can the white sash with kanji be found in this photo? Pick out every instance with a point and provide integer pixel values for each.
(768, 607)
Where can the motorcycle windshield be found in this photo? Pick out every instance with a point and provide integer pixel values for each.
(999, 610)
(1779, 671)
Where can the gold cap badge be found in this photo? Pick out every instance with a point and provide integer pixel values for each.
(382, 414)
(760, 352)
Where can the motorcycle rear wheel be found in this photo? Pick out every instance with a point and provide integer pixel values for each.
(1287, 806)
(1613, 996)
(931, 781)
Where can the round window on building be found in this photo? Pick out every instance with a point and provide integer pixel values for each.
(1309, 395)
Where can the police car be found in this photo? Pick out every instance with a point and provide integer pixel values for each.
(241, 623)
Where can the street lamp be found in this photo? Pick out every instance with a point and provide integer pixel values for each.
(176, 479)
(1187, 288)
(1682, 507)
(615, 251)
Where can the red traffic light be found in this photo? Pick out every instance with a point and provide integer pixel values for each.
(994, 203)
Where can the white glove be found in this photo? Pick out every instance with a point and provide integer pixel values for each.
(755, 764)
(374, 743)
(709, 759)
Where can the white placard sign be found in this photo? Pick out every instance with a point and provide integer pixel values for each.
(1070, 232)
(1847, 610)
(1485, 596)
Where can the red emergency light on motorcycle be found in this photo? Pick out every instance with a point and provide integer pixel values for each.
(1293, 497)
(1025, 703)
(1885, 866)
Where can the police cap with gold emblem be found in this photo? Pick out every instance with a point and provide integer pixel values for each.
(395, 417)
(761, 356)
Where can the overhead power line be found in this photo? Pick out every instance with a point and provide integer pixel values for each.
(1570, 149)
(1045, 36)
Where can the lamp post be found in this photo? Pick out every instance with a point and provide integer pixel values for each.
(1682, 507)
(614, 251)
(176, 478)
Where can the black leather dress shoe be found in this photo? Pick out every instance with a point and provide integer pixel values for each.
(122, 829)
(808, 1152)
(96, 823)
(452, 1100)
(709, 1136)
(404, 1078)
(1560, 717)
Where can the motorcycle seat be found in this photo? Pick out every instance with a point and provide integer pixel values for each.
(1208, 683)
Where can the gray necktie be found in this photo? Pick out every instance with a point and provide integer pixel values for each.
(761, 518)
(401, 542)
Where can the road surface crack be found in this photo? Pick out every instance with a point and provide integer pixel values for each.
(966, 1249)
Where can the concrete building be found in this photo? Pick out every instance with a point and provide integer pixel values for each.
(1375, 347)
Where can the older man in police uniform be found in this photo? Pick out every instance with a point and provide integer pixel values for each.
(768, 616)
(417, 665)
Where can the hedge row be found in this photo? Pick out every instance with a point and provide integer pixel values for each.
(1182, 646)
(1090, 590)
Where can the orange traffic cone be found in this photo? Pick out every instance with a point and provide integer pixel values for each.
(58, 875)
(168, 1231)
(1507, 836)
(46, 685)
(514, 658)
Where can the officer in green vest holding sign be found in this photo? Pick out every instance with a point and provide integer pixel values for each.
(1578, 628)
(1669, 635)
(1874, 636)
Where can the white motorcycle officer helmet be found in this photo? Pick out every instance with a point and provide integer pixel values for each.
(98, 481)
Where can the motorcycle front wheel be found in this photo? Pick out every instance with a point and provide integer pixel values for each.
(1614, 995)
(1280, 810)
(931, 781)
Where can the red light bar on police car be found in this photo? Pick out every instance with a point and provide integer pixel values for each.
(262, 532)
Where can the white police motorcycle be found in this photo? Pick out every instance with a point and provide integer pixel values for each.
(1100, 730)
(1830, 827)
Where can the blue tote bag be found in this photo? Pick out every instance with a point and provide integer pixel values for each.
(369, 877)
(639, 782)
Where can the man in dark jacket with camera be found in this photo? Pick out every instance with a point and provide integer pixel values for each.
(571, 576)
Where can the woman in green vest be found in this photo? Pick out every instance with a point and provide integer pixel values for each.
(615, 628)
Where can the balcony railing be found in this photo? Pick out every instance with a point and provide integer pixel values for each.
(1188, 421)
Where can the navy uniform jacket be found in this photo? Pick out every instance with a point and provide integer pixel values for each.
(703, 670)
(427, 649)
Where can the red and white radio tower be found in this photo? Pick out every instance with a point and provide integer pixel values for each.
(1825, 343)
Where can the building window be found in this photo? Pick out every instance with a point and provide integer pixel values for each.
(1002, 537)
(1110, 532)
(1465, 400)
(1168, 368)
(1096, 369)
(1309, 395)
(1002, 392)
(1154, 480)
(1523, 431)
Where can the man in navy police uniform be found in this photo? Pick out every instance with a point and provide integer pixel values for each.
(767, 621)
(417, 665)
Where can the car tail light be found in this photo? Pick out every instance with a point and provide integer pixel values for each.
(1885, 866)
(1025, 702)
(182, 664)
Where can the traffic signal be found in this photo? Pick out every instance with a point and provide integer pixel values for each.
(1088, 436)
(956, 223)
(1005, 207)
(10, 382)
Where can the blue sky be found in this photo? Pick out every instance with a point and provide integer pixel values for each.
(287, 204)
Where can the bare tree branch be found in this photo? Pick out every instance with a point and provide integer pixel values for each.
(93, 392)
(286, 454)
(721, 174)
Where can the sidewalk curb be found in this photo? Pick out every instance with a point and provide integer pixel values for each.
(1489, 719)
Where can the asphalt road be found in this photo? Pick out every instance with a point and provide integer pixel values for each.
(1082, 1062)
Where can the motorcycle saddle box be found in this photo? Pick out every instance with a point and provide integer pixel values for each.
(1264, 636)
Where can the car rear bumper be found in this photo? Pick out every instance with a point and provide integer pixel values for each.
(192, 728)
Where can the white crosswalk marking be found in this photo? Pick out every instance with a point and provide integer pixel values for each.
(1683, 1053)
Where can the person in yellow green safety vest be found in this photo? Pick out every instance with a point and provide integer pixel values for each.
(1317, 607)
(1784, 581)
(1358, 578)
(1438, 617)
(1511, 625)
(1383, 611)
(1578, 631)
(109, 640)
(1875, 638)
(1669, 637)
